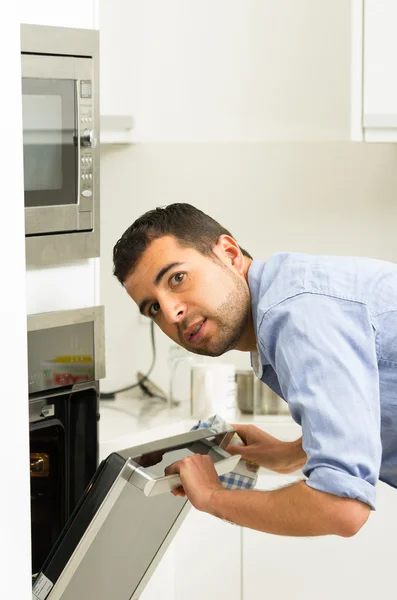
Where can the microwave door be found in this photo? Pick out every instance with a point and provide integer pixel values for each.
(53, 136)
(125, 521)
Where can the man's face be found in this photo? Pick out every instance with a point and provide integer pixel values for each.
(202, 303)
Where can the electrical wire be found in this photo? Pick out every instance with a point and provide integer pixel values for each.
(141, 382)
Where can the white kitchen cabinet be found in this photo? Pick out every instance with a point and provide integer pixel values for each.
(326, 567)
(373, 66)
(380, 63)
(204, 559)
(120, 53)
(73, 13)
(207, 554)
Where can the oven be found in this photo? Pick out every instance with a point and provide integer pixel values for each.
(97, 531)
(60, 113)
(65, 363)
(125, 520)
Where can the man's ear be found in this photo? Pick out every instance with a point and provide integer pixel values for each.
(228, 251)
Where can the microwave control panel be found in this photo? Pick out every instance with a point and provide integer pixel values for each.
(87, 139)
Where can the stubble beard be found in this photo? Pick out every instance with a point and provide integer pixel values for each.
(232, 318)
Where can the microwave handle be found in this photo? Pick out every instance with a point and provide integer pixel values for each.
(151, 486)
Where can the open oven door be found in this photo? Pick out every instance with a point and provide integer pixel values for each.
(125, 521)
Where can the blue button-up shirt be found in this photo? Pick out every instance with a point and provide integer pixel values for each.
(326, 329)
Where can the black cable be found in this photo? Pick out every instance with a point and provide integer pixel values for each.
(141, 381)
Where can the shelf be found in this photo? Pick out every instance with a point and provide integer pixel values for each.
(117, 129)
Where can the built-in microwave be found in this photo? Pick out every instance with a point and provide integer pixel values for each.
(60, 129)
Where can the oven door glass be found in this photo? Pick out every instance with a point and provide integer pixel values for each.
(49, 141)
(47, 487)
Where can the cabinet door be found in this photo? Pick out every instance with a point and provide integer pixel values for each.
(379, 65)
(325, 567)
(207, 553)
(73, 13)
(162, 582)
(204, 560)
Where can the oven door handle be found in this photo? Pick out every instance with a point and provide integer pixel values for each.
(152, 486)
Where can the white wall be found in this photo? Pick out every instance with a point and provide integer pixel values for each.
(309, 197)
(242, 108)
(14, 439)
(73, 13)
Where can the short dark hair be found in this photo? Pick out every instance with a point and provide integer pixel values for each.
(189, 225)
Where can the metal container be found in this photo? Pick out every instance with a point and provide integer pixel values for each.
(245, 391)
(255, 397)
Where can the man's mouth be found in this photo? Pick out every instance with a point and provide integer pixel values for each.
(195, 333)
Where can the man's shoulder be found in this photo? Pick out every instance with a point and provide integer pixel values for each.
(288, 274)
(283, 275)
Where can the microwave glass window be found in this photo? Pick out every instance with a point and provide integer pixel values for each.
(49, 142)
(42, 118)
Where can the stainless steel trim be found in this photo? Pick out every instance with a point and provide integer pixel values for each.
(64, 41)
(61, 248)
(50, 218)
(54, 67)
(179, 441)
(88, 538)
(96, 314)
(78, 124)
(152, 486)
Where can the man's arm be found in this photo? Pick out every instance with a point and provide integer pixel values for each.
(296, 510)
(267, 451)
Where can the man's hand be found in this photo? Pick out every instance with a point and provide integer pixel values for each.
(267, 451)
(199, 480)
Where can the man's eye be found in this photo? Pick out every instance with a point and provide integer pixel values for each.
(153, 310)
(176, 279)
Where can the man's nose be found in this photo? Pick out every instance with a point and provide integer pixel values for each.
(173, 310)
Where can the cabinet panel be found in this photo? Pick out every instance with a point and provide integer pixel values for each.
(326, 567)
(207, 555)
(379, 62)
(162, 582)
(74, 13)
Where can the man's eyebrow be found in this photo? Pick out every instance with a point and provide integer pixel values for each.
(143, 305)
(163, 271)
(156, 281)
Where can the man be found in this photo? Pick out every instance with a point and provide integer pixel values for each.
(322, 332)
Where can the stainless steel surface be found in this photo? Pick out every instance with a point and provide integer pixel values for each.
(129, 533)
(94, 314)
(245, 390)
(48, 411)
(39, 38)
(255, 397)
(81, 238)
(79, 153)
(152, 486)
(89, 138)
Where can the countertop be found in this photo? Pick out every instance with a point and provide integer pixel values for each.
(129, 420)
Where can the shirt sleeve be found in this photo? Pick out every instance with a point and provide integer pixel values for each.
(324, 353)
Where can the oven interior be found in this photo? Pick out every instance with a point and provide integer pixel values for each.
(63, 459)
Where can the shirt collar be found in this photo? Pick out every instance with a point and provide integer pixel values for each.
(255, 275)
(256, 364)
